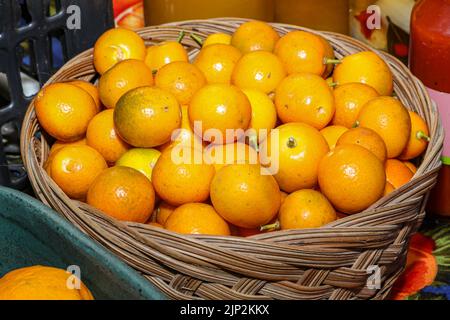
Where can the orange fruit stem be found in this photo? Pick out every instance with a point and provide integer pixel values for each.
(181, 36)
(272, 226)
(332, 61)
(197, 39)
(421, 135)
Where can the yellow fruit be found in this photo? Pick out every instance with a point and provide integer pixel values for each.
(217, 62)
(264, 114)
(216, 38)
(121, 78)
(182, 177)
(258, 70)
(365, 67)
(305, 97)
(165, 53)
(102, 136)
(332, 134)
(220, 107)
(116, 45)
(180, 78)
(123, 193)
(254, 36)
(352, 178)
(146, 117)
(390, 119)
(349, 98)
(244, 196)
(366, 138)
(64, 111)
(197, 218)
(141, 159)
(74, 168)
(297, 152)
(41, 283)
(305, 208)
(418, 139)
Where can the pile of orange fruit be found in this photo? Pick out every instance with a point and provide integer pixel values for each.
(343, 140)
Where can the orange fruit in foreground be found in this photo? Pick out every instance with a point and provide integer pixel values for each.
(217, 62)
(91, 89)
(305, 97)
(366, 138)
(352, 178)
(74, 168)
(123, 193)
(365, 67)
(397, 173)
(197, 218)
(258, 70)
(245, 195)
(64, 111)
(305, 208)
(220, 107)
(302, 51)
(231, 153)
(116, 45)
(254, 36)
(181, 176)
(349, 98)
(146, 117)
(163, 212)
(41, 283)
(295, 156)
(180, 78)
(418, 139)
(102, 136)
(332, 134)
(164, 53)
(123, 77)
(390, 119)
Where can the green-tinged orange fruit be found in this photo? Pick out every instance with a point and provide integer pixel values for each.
(146, 117)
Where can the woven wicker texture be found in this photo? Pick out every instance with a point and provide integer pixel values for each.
(325, 263)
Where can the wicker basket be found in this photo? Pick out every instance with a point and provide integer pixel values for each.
(326, 263)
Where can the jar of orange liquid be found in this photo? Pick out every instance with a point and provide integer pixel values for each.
(326, 15)
(163, 11)
(430, 62)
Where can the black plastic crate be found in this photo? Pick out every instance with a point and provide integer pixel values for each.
(36, 38)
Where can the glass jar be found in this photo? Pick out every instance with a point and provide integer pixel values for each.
(163, 11)
(430, 62)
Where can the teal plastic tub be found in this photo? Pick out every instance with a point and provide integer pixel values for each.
(33, 234)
